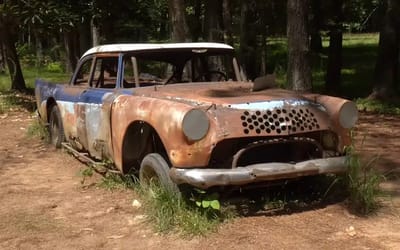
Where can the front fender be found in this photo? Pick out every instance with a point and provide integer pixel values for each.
(166, 117)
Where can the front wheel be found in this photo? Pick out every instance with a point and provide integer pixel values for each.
(56, 129)
(154, 169)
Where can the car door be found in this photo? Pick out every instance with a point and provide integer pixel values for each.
(95, 107)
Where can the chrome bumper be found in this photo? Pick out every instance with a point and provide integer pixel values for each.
(205, 178)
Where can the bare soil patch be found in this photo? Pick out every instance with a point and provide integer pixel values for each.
(45, 206)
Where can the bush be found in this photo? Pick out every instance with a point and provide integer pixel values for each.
(55, 67)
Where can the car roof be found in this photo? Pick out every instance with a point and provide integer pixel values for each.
(129, 47)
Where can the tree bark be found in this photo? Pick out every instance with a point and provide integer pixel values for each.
(2, 58)
(179, 29)
(95, 31)
(227, 21)
(248, 39)
(316, 40)
(333, 75)
(386, 68)
(70, 49)
(39, 49)
(299, 68)
(8, 35)
(84, 37)
(213, 20)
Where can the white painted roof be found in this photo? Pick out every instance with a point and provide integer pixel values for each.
(124, 47)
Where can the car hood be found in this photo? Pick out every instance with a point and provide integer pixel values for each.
(229, 94)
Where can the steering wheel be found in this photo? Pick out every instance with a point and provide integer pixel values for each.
(208, 74)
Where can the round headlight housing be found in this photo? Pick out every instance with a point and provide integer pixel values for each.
(348, 115)
(195, 124)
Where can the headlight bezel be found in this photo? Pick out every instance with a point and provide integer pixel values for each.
(195, 124)
(348, 115)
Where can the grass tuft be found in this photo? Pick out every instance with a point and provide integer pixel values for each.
(112, 181)
(173, 212)
(363, 183)
(37, 129)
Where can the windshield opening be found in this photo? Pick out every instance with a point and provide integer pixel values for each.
(169, 67)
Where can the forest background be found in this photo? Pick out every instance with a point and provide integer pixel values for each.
(347, 48)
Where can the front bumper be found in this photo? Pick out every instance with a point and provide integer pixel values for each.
(205, 178)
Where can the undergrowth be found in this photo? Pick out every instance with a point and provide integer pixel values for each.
(176, 212)
(363, 183)
(37, 129)
(375, 106)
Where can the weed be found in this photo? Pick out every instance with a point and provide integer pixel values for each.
(85, 173)
(37, 129)
(171, 211)
(112, 180)
(363, 184)
(204, 200)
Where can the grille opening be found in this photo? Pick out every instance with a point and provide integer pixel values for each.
(271, 149)
(288, 152)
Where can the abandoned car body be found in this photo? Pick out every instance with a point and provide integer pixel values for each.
(185, 114)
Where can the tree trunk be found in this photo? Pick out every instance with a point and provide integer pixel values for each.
(95, 31)
(70, 49)
(316, 40)
(8, 35)
(213, 21)
(2, 58)
(179, 29)
(227, 21)
(333, 75)
(39, 49)
(248, 39)
(299, 68)
(386, 68)
(84, 37)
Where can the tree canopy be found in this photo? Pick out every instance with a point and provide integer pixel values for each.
(63, 30)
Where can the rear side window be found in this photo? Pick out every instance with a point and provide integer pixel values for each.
(105, 72)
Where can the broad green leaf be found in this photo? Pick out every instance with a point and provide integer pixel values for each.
(215, 204)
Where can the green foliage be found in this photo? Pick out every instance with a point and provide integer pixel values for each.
(376, 106)
(33, 73)
(363, 184)
(204, 200)
(37, 129)
(86, 173)
(113, 180)
(171, 212)
(54, 67)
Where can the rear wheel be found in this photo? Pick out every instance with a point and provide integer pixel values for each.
(56, 129)
(154, 169)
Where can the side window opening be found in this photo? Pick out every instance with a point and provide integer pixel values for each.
(83, 75)
(150, 72)
(105, 72)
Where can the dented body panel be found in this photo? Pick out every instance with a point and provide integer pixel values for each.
(251, 136)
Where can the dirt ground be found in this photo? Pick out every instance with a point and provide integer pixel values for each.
(45, 206)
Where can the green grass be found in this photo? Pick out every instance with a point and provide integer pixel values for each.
(376, 106)
(173, 212)
(359, 58)
(363, 184)
(37, 129)
(32, 73)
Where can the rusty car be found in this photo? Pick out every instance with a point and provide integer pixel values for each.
(184, 113)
